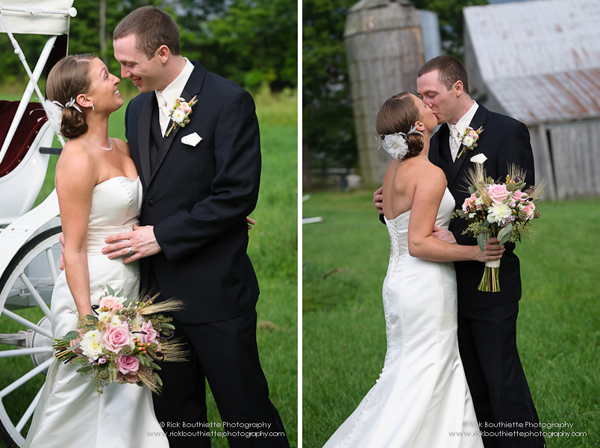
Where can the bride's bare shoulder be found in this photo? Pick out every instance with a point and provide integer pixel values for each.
(429, 174)
(75, 161)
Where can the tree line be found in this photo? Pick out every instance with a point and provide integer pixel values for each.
(252, 42)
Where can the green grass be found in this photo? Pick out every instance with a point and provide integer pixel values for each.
(272, 248)
(344, 263)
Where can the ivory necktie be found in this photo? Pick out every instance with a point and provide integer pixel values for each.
(163, 113)
(454, 142)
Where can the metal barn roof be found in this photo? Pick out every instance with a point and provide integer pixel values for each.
(540, 59)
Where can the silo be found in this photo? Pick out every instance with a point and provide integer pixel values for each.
(384, 48)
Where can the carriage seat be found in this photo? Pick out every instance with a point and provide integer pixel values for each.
(26, 132)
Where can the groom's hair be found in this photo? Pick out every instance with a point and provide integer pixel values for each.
(151, 28)
(449, 70)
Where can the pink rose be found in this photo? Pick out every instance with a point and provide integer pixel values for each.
(529, 209)
(469, 203)
(150, 333)
(111, 303)
(519, 196)
(116, 337)
(185, 108)
(127, 364)
(497, 193)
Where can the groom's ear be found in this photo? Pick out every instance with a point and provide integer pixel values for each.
(163, 53)
(458, 88)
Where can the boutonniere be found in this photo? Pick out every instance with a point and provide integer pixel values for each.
(180, 113)
(469, 140)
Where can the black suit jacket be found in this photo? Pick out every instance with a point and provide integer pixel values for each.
(197, 198)
(503, 141)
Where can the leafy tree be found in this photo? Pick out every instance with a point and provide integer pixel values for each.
(249, 41)
(329, 137)
(255, 42)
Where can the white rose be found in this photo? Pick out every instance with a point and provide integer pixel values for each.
(91, 344)
(479, 158)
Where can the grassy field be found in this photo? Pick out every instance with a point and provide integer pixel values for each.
(344, 263)
(273, 250)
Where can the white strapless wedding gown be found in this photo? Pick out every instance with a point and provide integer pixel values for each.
(421, 396)
(71, 414)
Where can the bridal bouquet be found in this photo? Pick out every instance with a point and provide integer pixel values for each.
(501, 210)
(122, 341)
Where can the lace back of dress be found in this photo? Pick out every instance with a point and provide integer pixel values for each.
(398, 230)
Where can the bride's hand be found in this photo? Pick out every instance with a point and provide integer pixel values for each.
(491, 251)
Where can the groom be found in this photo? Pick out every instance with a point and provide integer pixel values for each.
(200, 182)
(486, 321)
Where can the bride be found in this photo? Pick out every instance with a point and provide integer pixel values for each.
(421, 398)
(99, 194)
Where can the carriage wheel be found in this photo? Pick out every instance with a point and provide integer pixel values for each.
(26, 340)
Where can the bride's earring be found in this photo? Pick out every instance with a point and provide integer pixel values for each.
(93, 107)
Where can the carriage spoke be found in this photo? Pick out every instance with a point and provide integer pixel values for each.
(50, 256)
(24, 351)
(18, 383)
(26, 323)
(36, 295)
(29, 411)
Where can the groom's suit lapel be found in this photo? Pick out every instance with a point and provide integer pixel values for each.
(144, 126)
(192, 88)
(441, 152)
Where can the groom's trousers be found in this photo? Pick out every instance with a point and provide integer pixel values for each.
(487, 341)
(225, 353)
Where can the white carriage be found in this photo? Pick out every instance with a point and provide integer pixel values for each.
(29, 249)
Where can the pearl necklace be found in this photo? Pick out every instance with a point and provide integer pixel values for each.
(100, 147)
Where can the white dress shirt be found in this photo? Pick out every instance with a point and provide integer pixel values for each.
(166, 98)
(459, 129)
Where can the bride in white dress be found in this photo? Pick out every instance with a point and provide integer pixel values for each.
(421, 398)
(99, 194)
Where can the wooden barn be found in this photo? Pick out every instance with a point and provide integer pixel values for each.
(539, 62)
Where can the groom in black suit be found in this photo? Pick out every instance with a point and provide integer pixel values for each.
(486, 321)
(200, 182)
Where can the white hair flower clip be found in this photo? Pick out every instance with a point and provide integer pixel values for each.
(396, 144)
(54, 112)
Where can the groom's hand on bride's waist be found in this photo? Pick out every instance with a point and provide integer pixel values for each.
(134, 245)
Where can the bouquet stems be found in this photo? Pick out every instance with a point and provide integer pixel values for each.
(490, 282)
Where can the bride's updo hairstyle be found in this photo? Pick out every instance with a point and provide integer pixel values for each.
(398, 115)
(67, 79)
